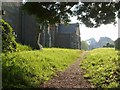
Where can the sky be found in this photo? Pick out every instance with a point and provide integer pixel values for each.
(109, 30)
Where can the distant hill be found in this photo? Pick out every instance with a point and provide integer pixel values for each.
(92, 43)
(102, 42)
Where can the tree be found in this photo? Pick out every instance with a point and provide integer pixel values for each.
(109, 45)
(84, 45)
(92, 14)
(49, 13)
(97, 13)
(8, 39)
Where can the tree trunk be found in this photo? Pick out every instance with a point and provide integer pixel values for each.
(44, 36)
(49, 36)
(38, 42)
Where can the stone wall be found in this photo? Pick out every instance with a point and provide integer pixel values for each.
(24, 25)
(68, 36)
(62, 40)
(12, 16)
(27, 29)
(30, 30)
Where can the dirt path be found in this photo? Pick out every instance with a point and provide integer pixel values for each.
(72, 77)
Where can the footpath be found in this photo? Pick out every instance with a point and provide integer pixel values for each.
(72, 77)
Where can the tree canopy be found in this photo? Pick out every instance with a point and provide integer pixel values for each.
(84, 45)
(97, 13)
(92, 14)
(50, 12)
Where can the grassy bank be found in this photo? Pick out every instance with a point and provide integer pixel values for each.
(32, 68)
(101, 68)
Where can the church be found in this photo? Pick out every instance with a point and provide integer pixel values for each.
(27, 29)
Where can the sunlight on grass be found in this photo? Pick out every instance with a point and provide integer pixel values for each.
(32, 68)
(101, 68)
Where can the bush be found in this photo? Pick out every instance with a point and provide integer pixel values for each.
(21, 47)
(8, 39)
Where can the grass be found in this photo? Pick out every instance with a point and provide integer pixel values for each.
(102, 68)
(32, 68)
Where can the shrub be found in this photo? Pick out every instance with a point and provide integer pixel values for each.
(8, 39)
(21, 47)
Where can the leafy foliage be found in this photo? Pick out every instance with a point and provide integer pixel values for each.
(84, 45)
(102, 68)
(109, 45)
(93, 14)
(50, 12)
(21, 47)
(32, 68)
(8, 39)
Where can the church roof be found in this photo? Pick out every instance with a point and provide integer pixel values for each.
(70, 28)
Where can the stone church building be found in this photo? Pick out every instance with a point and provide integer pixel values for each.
(27, 29)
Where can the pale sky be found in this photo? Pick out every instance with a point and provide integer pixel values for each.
(109, 30)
